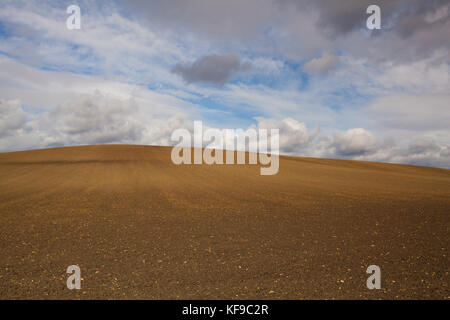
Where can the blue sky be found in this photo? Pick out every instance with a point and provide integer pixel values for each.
(138, 70)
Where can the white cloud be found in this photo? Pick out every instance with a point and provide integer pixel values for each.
(96, 119)
(89, 119)
(412, 112)
(12, 117)
(294, 135)
(429, 75)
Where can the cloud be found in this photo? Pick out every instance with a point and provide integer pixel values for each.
(354, 142)
(412, 112)
(402, 16)
(97, 119)
(215, 69)
(423, 152)
(88, 119)
(16, 129)
(215, 19)
(301, 28)
(294, 135)
(322, 65)
(336, 18)
(12, 117)
(426, 152)
(107, 44)
(44, 89)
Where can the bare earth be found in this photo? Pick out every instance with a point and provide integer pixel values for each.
(141, 227)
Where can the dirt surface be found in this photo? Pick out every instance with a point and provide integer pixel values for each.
(141, 227)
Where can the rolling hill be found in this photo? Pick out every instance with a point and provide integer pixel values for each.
(141, 227)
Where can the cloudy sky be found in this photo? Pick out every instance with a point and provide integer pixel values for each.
(138, 70)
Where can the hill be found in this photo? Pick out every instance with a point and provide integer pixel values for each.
(141, 227)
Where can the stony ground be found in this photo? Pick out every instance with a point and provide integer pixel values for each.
(140, 227)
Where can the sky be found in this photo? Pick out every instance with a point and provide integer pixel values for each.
(138, 70)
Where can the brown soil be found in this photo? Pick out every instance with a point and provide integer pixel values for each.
(141, 227)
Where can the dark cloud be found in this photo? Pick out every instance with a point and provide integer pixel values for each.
(411, 29)
(242, 16)
(422, 146)
(213, 69)
(402, 16)
(423, 152)
(337, 18)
